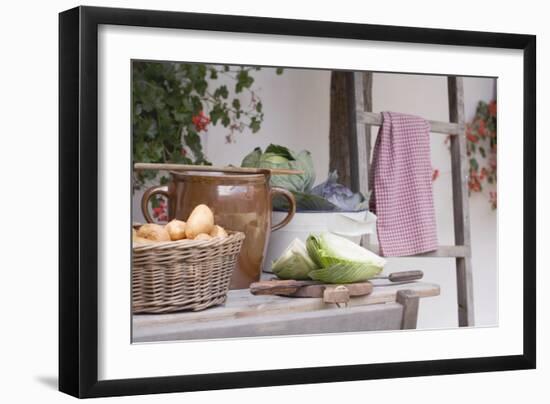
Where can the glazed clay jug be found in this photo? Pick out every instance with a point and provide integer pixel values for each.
(240, 202)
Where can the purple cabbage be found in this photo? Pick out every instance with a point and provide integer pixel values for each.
(339, 195)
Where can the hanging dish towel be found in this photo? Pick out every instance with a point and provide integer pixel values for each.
(401, 180)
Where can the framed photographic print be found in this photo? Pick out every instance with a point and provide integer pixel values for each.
(253, 201)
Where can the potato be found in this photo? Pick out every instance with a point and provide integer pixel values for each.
(218, 231)
(201, 220)
(176, 229)
(154, 232)
(203, 236)
(140, 240)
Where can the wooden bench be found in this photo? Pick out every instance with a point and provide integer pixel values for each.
(388, 307)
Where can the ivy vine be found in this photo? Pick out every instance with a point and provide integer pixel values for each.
(173, 103)
(481, 148)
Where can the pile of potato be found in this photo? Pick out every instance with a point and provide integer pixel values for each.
(199, 226)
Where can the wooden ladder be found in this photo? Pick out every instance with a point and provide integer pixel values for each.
(361, 118)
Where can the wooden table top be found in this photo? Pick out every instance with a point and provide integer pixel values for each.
(243, 307)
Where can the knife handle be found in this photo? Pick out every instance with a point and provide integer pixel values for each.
(405, 276)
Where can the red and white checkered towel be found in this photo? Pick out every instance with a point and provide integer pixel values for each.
(401, 181)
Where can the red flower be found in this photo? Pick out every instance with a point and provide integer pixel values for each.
(160, 211)
(483, 173)
(435, 174)
(471, 138)
(200, 121)
(493, 108)
(473, 181)
(474, 184)
(481, 127)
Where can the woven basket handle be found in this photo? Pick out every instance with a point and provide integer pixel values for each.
(291, 203)
(158, 190)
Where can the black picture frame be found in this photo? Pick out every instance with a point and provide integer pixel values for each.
(78, 200)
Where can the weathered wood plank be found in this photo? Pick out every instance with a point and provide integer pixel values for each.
(367, 106)
(241, 303)
(339, 143)
(361, 318)
(357, 136)
(446, 128)
(409, 300)
(461, 211)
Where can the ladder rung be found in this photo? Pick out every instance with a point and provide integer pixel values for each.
(443, 251)
(447, 128)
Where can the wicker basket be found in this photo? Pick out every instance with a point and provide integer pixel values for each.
(183, 275)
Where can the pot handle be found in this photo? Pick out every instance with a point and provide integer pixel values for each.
(158, 190)
(291, 201)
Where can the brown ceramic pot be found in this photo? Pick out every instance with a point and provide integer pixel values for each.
(240, 202)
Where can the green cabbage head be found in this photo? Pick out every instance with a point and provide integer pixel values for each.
(276, 156)
(340, 260)
(294, 263)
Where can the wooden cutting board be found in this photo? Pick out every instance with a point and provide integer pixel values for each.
(330, 293)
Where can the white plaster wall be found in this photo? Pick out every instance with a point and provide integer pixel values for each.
(296, 107)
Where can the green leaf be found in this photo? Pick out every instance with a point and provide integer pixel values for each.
(252, 159)
(236, 104)
(280, 151)
(259, 106)
(254, 125)
(305, 162)
(474, 164)
(177, 157)
(226, 120)
(345, 273)
(193, 141)
(152, 130)
(182, 117)
(304, 202)
(221, 92)
(294, 262)
(341, 260)
(244, 80)
(201, 86)
(279, 70)
(481, 151)
(197, 104)
(216, 114)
